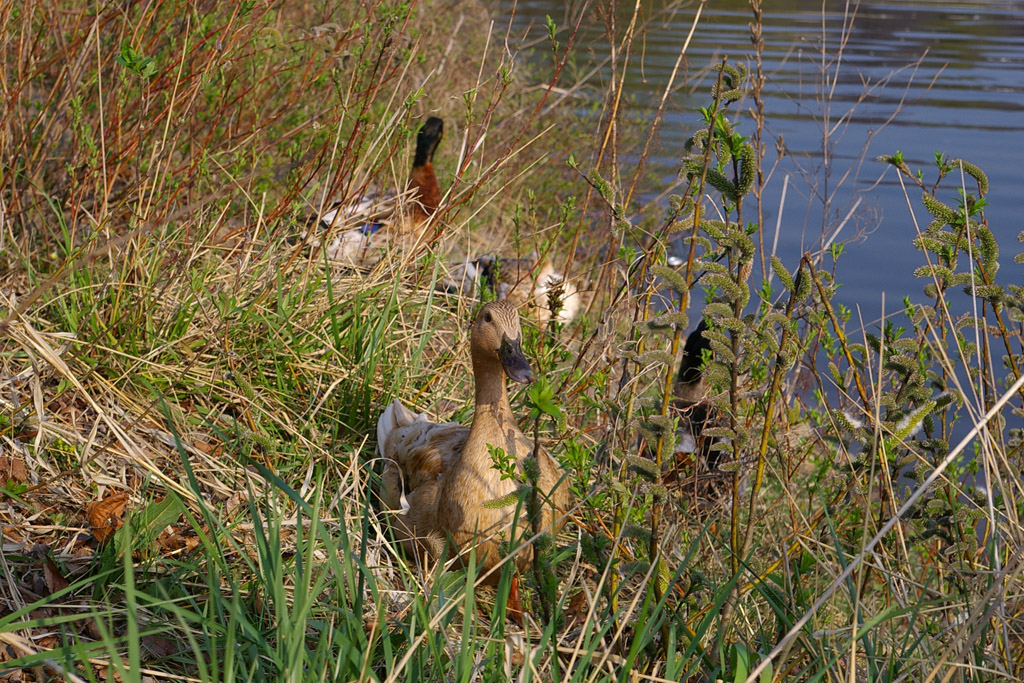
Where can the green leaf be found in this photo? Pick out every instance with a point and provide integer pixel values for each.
(740, 662)
(143, 527)
(542, 400)
(132, 59)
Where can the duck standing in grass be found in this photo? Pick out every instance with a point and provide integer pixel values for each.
(526, 282)
(359, 232)
(441, 480)
(691, 398)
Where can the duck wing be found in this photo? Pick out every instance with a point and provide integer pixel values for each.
(356, 230)
(419, 454)
(373, 207)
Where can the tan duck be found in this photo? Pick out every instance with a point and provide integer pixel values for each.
(439, 477)
(526, 282)
(358, 232)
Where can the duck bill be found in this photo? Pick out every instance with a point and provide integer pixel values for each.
(510, 353)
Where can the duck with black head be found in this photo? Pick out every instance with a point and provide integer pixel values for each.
(358, 231)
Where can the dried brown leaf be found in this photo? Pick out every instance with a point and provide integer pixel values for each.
(159, 647)
(12, 469)
(47, 642)
(578, 607)
(172, 539)
(55, 580)
(211, 449)
(514, 606)
(15, 676)
(107, 516)
(236, 501)
(92, 629)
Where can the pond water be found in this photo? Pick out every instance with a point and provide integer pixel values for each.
(916, 77)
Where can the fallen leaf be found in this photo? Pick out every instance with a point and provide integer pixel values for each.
(173, 540)
(211, 449)
(236, 501)
(514, 605)
(66, 403)
(12, 469)
(92, 629)
(159, 647)
(47, 642)
(578, 606)
(15, 676)
(55, 581)
(27, 433)
(515, 649)
(83, 540)
(107, 516)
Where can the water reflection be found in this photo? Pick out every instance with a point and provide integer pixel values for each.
(952, 73)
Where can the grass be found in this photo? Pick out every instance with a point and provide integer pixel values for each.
(190, 394)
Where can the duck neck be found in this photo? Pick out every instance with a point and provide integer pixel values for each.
(426, 194)
(493, 421)
(491, 394)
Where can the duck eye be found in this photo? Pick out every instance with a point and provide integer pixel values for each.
(487, 317)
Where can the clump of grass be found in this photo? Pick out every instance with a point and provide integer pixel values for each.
(165, 339)
(189, 396)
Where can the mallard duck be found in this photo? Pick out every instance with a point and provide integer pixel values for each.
(439, 478)
(698, 462)
(691, 398)
(526, 282)
(360, 230)
(689, 388)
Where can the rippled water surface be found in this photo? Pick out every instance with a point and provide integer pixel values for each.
(917, 77)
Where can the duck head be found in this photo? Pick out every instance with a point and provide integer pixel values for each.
(427, 140)
(497, 336)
